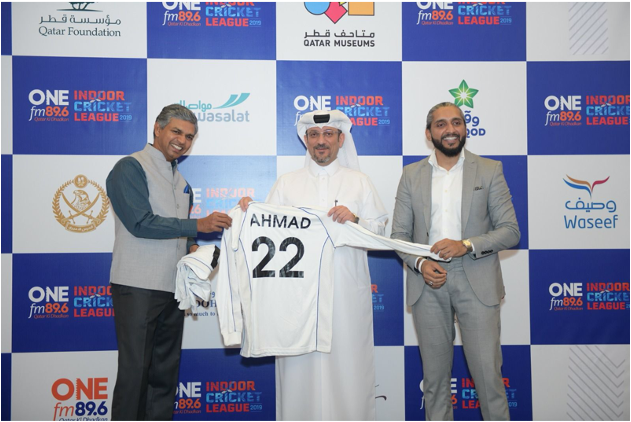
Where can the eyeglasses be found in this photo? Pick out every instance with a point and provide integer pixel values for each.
(328, 134)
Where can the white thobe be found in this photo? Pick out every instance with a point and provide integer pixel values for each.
(339, 385)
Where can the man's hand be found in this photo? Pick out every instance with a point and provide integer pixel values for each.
(214, 222)
(243, 203)
(341, 214)
(448, 248)
(435, 275)
(193, 248)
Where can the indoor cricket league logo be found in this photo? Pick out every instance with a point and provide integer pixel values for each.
(80, 205)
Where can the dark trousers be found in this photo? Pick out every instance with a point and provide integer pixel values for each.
(149, 329)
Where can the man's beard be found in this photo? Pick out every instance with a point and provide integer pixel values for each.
(320, 160)
(449, 152)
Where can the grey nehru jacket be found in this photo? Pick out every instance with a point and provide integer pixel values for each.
(150, 238)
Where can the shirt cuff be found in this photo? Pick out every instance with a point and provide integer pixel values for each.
(419, 260)
(232, 339)
(472, 254)
(189, 228)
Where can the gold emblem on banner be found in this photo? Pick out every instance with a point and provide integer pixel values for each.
(77, 213)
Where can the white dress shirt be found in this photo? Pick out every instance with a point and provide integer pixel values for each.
(446, 200)
(446, 222)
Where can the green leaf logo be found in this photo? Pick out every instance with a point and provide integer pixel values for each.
(463, 95)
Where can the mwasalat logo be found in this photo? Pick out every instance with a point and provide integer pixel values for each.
(202, 109)
(463, 95)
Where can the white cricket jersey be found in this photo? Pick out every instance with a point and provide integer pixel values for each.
(275, 286)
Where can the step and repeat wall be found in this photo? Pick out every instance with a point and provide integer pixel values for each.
(544, 89)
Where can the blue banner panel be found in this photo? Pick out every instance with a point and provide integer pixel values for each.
(516, 175)
(80, 106)
(6, 375)
(516, 376)
(368, 93)
(7, 45)
(443, 31)
(578, 108)
(409, 159)
(220, 385)
(220, 182)
(192, 30)
(63, 301)
(386, 276)
(7, 203)
(579, 296)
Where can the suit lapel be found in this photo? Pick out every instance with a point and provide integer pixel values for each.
(426, 192)
(468, 183)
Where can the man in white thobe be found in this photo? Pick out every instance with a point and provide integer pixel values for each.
(339, 385)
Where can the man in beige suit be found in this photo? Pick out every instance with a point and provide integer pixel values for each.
(459, 203)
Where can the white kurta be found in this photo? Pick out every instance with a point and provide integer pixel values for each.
(339, 385)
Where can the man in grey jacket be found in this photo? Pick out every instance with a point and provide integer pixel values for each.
(460, 204)
(151, 201)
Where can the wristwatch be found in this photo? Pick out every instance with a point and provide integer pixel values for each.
(467, 244)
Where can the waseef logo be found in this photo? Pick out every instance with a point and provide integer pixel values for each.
(589, 214)
(76, 202)
(582, 184)
(337, 10)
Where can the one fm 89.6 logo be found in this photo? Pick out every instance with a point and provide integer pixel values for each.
(85, 106)
(90, 399)
(54, 302)
(467, 13)
(600, 296)
(49, 302)
(222, 14)
(600, 110)
(219, 397)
